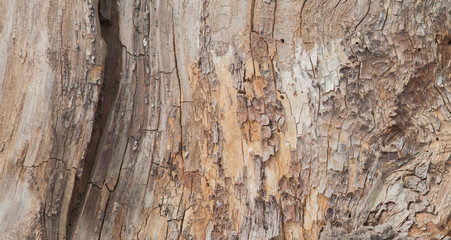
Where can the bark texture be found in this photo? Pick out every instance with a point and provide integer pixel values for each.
(258, 119)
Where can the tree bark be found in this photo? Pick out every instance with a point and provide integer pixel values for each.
(259, 119)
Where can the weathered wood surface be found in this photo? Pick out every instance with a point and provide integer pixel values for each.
(259, 119)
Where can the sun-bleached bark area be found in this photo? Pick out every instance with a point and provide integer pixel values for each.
(256, 119)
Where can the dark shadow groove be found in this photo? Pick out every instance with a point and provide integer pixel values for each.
(109, 27)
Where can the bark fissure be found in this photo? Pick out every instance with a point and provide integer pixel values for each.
(109, 28)
(179, 83)
(366, 14)
(53, 159)
(300, 16)
(104, 214)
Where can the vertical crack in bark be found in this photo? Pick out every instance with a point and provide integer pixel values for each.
(300, 16)
(252, 10)
(274, 19)
(251, 30)
(242, 150)
(180, 84)
(109, 28)
(366, 14)
(271, 59)
(104, 214)
(182, 217)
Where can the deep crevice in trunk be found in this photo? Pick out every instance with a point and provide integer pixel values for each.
(109, 28)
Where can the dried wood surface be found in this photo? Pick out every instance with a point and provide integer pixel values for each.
(257, 119)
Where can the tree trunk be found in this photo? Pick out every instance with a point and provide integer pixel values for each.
(258, 119)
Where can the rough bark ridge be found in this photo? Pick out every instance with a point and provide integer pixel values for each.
(259, 119)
